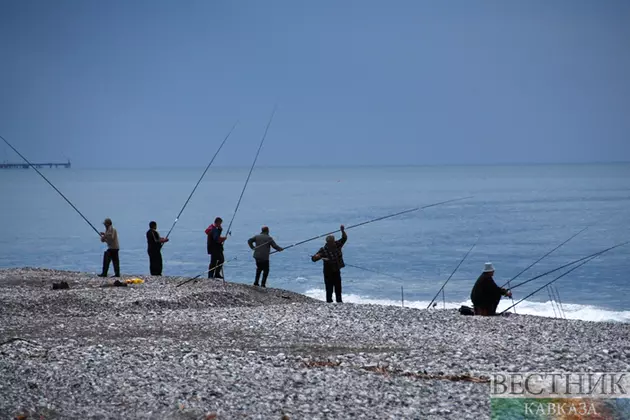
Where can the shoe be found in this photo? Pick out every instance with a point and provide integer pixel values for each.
(116, 275)
(263, 286)
(102, 275)
(256, 284)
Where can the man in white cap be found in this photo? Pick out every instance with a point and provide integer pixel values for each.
(486, 294)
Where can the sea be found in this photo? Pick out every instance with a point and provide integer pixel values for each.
(513, 216)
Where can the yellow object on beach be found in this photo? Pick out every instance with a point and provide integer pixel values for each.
(134, 281)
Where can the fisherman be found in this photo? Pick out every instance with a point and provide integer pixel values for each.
(332, 256)
(215, 249)
(154, 249)
(263, 242)
(486, 294)
(110, 236)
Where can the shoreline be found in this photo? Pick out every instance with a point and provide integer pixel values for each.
(156, 351)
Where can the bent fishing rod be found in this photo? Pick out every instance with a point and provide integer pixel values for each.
(200, 178)
(372, 221)
(229, 231)
(338, 230)
(51, 184)
(542, 258)
(596, 254)
(453, 273)
(557, 278)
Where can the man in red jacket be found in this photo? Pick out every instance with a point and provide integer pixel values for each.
(215, 249)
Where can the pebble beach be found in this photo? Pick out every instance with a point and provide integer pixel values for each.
(215, 350)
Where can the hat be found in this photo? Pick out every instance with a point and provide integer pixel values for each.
(488, 268)
(107, 221)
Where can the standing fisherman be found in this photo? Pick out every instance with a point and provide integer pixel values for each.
(154, 249)
(332, 256)
(263, 242)
(215, 249)
(110, 236)
(486, 294)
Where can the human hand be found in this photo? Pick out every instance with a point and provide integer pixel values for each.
(342, 228)
(509, 293)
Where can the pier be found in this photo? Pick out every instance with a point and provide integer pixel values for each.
(51, 165)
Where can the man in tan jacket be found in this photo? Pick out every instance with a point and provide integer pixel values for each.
(110, 236)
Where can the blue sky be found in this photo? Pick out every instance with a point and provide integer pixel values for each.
(159, 83)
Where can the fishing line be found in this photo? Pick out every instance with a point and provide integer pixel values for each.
(202, 175)
(560, 302)
(50, 183)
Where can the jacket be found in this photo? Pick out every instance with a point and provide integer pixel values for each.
(263, 243)
(214, 244)
(111, 238)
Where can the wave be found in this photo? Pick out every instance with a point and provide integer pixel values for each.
(545, 309)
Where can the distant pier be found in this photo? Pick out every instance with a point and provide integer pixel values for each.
(66, 165)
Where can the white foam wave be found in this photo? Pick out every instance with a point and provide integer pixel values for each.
(571, 310)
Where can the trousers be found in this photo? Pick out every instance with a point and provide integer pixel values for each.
(332, 280)
(262, 266)
(111, 255)
(155, 263)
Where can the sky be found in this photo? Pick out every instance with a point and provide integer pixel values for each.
(157, 83)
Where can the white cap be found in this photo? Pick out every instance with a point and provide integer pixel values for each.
(488, 268)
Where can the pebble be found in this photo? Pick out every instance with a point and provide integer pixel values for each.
(189, 352)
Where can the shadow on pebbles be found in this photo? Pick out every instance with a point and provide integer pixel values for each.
(213, 350)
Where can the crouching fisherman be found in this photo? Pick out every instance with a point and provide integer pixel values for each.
(333, 263)
(154, 249)
(486, 294)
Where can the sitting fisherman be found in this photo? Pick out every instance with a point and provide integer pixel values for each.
(486, 294)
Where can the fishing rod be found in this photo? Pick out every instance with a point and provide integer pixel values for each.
(229, 232)
(571, 263)
(202, 175)
(453, 273)
(557, 278)
(51, 184)
(338, 230)
(542, 258)
(372, 221)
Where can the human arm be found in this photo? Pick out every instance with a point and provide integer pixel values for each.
(250, 242)
(344, 236)
(276, 247)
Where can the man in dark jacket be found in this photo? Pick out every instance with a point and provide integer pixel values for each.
(486, 294)
(333, 263)
(215, 249)
(154, 249)
(263, 243)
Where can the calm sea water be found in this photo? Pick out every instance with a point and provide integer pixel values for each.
(517, 214)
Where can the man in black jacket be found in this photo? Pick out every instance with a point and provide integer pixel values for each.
(154, 249)
(333, 263)
(486, 294)
(215, 249)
